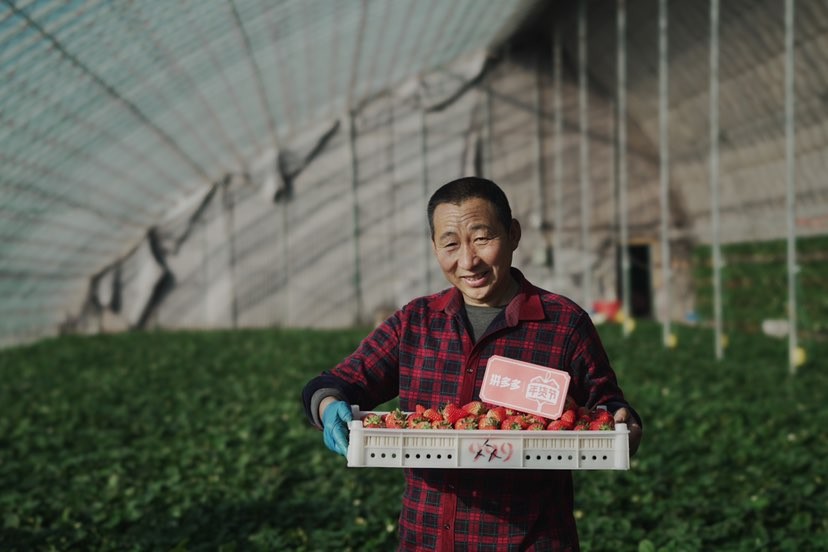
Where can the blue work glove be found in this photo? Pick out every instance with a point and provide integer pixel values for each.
(335, 426)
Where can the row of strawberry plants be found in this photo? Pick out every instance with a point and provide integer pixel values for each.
(196, 441)
(727, 461)
(755, 284)
(179, 441)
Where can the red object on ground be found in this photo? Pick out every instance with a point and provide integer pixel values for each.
(607, 308)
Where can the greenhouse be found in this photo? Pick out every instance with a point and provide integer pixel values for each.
(205, 203)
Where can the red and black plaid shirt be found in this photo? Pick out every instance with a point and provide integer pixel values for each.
(424, 353)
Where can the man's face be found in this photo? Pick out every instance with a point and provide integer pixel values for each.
(475, 251)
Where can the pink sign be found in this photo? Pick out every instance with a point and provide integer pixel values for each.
(525, 386)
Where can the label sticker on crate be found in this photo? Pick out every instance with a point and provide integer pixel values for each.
(491, 452)
(525, 386)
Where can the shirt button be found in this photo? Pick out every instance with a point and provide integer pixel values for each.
(447, 526)
(469, 370)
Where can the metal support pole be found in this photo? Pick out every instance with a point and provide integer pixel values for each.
(424, 176)
(352, 115)
(714, 177)
(664, 169)
(557, 237)
(583, 109)
(538, 212)
(487, 156)
(790, 158)
(622, 165)
(229, 208)
(357, 279)
(286, 262)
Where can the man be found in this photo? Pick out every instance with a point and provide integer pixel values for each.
(434, 351)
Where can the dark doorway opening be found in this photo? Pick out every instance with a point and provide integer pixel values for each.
(641, 293)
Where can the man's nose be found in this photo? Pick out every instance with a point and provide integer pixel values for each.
(468, 257)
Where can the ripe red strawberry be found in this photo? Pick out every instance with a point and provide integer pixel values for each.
(396, 419)
(419, 409)
(421, 423)
(601, 415)
(373, 420)
(469, 422)
(441, 424)
(535, 419)
(559, 425)
(582, 425)
(569, 417)
(414, 419)
(535, 426)
(452, 413)
(487, 422)
(595, 425)
(521, 419)
(498, 413)
(512, 422)
(432, 415)
(475, 407)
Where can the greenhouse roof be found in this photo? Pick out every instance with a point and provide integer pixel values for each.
(111, 111)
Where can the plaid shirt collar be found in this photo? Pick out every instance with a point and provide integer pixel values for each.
(526, 305)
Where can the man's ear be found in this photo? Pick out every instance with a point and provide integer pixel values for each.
(514, 234)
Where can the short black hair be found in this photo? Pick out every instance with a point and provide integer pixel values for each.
(468, 187)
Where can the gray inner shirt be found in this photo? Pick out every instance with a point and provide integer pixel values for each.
(480, 318)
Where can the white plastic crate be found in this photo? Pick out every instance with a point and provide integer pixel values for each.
(483, 449)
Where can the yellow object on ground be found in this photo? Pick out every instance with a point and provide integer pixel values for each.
(798, 357)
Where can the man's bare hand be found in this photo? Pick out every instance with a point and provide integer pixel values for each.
(624, 416)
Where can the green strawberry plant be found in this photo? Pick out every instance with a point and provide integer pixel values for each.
(196, 441)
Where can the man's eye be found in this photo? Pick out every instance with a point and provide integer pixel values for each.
(482, 239)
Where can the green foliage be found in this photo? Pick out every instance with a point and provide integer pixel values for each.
(755, 284)
(734, 456)
(197, 441)
(185, 441)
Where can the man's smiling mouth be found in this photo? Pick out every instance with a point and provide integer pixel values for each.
(476, 279)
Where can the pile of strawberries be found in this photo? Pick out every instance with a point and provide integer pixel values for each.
(479, 415)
